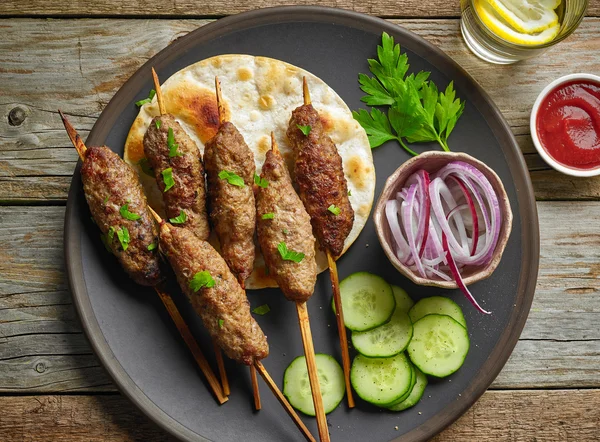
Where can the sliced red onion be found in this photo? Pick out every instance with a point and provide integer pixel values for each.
(391, 213)
(465, 192)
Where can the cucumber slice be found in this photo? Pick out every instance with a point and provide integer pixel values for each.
(415, 394)
(437, 305)
(381, 381)
(403, 301)
(413, 381)
(367, 300)
(386, 340)
(296, 386)
(439, 345)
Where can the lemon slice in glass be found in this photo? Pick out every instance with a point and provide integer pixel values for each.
(496, 24)
(528, 16)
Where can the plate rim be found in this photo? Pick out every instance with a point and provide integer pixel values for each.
(530, 238)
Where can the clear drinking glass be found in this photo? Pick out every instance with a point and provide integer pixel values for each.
(488, 45)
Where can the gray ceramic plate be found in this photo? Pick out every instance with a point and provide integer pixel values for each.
(133, 335)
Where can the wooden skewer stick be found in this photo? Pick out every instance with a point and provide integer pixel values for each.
(309, 353)
(184, 331)
(283, 401)
(253, 378)
(267, 378)
(159, 96)
(335, 286)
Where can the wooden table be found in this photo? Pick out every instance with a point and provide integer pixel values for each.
(53, 387)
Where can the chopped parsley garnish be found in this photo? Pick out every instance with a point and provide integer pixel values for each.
(168, 178)
(262, 309)
(173, 146)
(111, 233)
(179, 219)
(157, 123)
(202, 280)
(260, 182)
(232, 178)
(125, 213)
(285, 231)
(145, 166)
(146, 100)
(334, 209)
(221, 323)
(152, 246)
(349, 192)
(123, 235)
(289, 255)
(106, 199)
(304, 129)
(105, 241)
(269, 215)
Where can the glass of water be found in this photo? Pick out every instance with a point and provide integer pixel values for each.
(507, 31)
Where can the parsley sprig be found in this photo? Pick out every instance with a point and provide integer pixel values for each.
(146, 100)
(172, 145)
(417, 112)
(232, 178)
(289, 255)
(261, 182)
(200, 280)
(125, 213)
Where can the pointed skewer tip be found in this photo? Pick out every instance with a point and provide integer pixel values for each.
(220, 108)
(274, 146)
(305, 91)
(159, 96)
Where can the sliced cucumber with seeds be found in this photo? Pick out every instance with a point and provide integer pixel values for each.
(367, 300)
(438, 305)
(381, 381)
(386, 340)
(415, 395)
(403, 301)
(296, 385)
(413, 381)
(439, 345)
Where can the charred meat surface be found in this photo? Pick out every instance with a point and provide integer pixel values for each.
(286, 222)
(223, 307)
(231, 202)
(115, 197)
(320, 180)
(179, 160)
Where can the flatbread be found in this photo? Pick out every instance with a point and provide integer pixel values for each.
(259, 95)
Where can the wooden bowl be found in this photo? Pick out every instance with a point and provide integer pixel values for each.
(432, 162)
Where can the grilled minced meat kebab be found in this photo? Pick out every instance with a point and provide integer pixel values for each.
(230, 172)
(320, 179)
(214, 293)
(179, 173)
(118, 205)
(284, 231)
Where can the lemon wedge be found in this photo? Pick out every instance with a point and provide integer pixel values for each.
(528, 16)
(502, 29)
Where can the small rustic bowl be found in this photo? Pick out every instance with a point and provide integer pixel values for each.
(432, 162)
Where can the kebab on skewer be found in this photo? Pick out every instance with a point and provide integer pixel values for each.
(220, 301)
(230, 169)
(119, 208)
(322, 187)
(179, 173)
(288, 246)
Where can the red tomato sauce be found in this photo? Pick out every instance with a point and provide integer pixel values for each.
(568, 124)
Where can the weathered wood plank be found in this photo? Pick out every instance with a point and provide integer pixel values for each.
(497, 416)
(137, 8)
(42, 349)
(78, 65)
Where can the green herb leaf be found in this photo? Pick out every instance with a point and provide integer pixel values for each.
(289, 255)
(172, 145)
(232, 178)
(304, 129)
(200, 280)
(391, 64)
(261, 309)
(123, 235)
(349, 192)
(261, 182)
(106, 199)
(376, 125)
(334, 209)
(125, 213)
(146, 100)
(168, 178)
(269, 215)
(152, 246)
(221, 322)
(285, 231)
(377, 94)
(182, 218)
(447, 111)
(106, 243)
(157, 123)
(111, 233)
(145, 166)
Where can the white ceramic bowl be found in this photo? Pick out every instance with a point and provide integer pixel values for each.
(532, 123)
